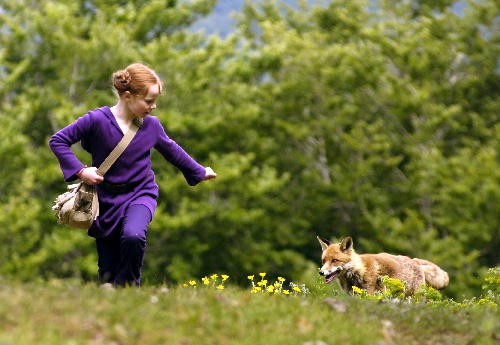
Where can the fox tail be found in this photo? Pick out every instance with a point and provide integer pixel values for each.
(434, 275)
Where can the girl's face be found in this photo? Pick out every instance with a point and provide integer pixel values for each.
(142, 105)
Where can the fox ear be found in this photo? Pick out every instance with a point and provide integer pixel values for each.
(346, 244)
(324, 242)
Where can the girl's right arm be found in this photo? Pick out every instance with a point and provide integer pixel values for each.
(60, 143)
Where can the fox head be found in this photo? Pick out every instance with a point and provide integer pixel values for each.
(336, 257)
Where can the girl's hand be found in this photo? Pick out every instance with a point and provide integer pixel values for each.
(209, 174)
(90, 176)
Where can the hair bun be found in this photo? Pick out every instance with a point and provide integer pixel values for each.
(121, 80)
(135, 78)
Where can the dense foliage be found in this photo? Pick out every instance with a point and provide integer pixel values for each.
(375, 119)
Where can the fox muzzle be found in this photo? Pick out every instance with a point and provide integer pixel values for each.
(328, 272)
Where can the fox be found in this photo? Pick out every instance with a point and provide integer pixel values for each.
(365, 271)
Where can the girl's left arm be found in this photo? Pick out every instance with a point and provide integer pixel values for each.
(193, 172)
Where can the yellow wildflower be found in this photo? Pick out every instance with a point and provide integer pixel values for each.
(296, 288)
(224, 277)
(205, 280)
(270, 288)
(220, 287)
(262, 282)
(192, 283)
(250, 277)
(214, 276)
(286, 292)
(357, 290)
(262, 275)
(185, 285)
(281, 279)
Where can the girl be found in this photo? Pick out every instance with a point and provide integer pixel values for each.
(127, 192)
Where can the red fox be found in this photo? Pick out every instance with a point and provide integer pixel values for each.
(366, 270)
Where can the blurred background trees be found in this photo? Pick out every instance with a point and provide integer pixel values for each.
(375, 119)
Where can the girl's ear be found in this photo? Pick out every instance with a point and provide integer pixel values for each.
(127, 96)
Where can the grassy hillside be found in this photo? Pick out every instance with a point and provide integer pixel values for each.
(66, 312)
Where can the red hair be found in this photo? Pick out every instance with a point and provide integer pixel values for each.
(135, 78)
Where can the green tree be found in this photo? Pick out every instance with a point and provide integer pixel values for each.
(365, 101)
(375, 119)
(57, 58)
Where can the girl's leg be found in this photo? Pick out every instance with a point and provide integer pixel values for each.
(132, 245)
(108, 253)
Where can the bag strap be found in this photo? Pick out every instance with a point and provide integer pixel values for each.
(120, 147)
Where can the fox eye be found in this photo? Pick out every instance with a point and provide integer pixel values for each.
(335, 260)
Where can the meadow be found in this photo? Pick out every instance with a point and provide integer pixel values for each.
(70, 312)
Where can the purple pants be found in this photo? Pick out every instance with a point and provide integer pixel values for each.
(121, 253)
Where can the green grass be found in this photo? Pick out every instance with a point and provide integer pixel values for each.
(69, 312)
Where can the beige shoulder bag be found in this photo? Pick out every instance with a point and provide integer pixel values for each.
(79, 206)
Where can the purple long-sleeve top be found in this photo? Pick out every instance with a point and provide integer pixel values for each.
(99, 133)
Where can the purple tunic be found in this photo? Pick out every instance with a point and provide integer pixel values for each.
(99, 133)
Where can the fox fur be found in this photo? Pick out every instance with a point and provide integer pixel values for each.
(366, 270)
